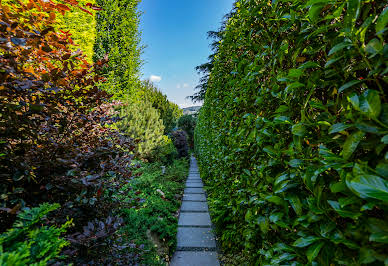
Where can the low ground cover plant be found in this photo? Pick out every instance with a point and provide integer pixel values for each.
(292, 137)
(153, 224)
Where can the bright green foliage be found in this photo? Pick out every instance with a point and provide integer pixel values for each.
(169, 111)
(187, 123)
(157, 212)
(119, 38)
(292, 138)
(82, 27)
(28, 243)
(141, 121)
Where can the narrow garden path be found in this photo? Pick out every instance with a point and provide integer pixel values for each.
(196, 242)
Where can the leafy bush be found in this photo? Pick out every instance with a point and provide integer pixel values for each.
(292, 137)
(187, 123)
(55, 145)
(142, 122)
(180, 141)
(29, 243)
(166, 151)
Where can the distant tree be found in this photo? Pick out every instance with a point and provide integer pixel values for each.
(206, 68)
(169, 112)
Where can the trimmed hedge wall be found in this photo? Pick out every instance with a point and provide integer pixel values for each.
(118, 37)
(292, 138)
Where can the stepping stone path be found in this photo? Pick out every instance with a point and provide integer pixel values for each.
(196, 242)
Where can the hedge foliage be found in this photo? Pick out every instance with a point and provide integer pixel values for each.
(292, 138)
(82, 28)
(118, 37)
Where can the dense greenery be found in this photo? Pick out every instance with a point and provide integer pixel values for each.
(154, 224)
(169, 112)
(27, 243)
(118, 38)
(142, 122)
(64, 163)
(292, 138)
(82, 27)
(187, 123)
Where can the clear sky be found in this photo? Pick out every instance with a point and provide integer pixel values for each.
(174, 32)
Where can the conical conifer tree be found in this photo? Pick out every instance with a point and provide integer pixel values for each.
(142, 121)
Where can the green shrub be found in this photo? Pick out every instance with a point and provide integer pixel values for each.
(166, 151)
(292, 138)
(180, 141)
(187, 123)
(141, 121)
(30, 243)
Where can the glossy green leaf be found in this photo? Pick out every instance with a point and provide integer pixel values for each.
(338, 128)
(313, 251)
(351, 144)
(315, 11)
(294, 85)
(296, 204)
(348, 85)
(382, 169)
(370, 104)
(369, 186)
(305, 241)
(355, 101)
(299, 130)
(374, 46)
(382, 21)
(295, 73)
(353, 11)
(379, 237)
(339, 47)
(275, 199)
(344, 213)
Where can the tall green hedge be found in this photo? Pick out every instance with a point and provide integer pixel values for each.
(82, 26)
(292, 138)
(118, 37)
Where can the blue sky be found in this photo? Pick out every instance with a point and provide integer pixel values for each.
(174, 32)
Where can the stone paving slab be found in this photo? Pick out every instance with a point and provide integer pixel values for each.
(194, 219)
(195, 258)
(194, 180)
(194, 197)
(195, 238)
(194, 185)
(194, 206)
(189, 190)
